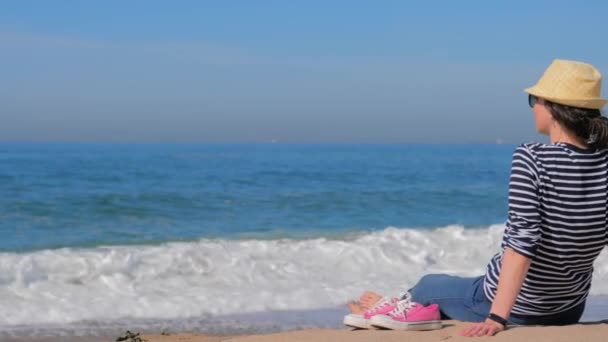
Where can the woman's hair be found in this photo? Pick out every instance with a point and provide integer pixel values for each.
(587, 124)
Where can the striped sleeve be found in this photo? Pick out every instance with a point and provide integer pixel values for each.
(523, 224)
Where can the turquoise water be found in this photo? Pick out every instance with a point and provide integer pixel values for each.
(84, 195)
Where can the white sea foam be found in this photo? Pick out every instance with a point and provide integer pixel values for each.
(223, 277)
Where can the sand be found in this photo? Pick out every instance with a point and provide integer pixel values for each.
(584, 332)
(588, 332)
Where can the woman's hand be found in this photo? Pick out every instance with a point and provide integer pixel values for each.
(487, 328)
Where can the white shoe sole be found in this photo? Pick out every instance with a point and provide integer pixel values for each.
(356, 321)
(382, 321)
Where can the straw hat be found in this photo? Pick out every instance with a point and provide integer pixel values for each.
(570, 83)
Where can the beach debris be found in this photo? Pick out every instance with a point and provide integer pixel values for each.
(130, 337)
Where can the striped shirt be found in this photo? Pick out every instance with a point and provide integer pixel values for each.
(558, 219)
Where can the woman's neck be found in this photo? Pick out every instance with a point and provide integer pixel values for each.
(562, 135)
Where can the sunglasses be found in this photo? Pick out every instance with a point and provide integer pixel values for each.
(532, 100)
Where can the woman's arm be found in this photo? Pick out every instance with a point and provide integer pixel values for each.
(521, 238)
(512, 274)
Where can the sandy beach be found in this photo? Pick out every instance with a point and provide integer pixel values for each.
(588, 332)
(584, 332)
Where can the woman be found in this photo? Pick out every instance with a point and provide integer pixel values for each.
(557, 218)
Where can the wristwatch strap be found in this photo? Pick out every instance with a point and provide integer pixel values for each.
(498, 319)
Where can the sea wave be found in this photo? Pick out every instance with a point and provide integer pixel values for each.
(215, 277)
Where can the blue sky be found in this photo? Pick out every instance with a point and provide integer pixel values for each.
(290, 71)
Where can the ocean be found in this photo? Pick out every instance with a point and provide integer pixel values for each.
(238, 237)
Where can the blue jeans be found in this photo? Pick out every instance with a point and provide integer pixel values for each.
(463, 299)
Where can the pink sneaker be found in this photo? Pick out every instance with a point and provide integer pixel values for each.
(409, 315)
(384, 306)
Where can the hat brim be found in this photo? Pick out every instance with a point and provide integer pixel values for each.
(590, 103)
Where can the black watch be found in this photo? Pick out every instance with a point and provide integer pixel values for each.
(498, 319)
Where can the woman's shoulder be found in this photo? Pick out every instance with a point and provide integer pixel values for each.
(533, 146)
(524, 159)
(534, 152)
(531, 149)
(541, 154)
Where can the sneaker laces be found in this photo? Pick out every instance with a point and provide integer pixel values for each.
(402, 307)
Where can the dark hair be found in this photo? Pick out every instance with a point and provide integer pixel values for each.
(587, 124)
